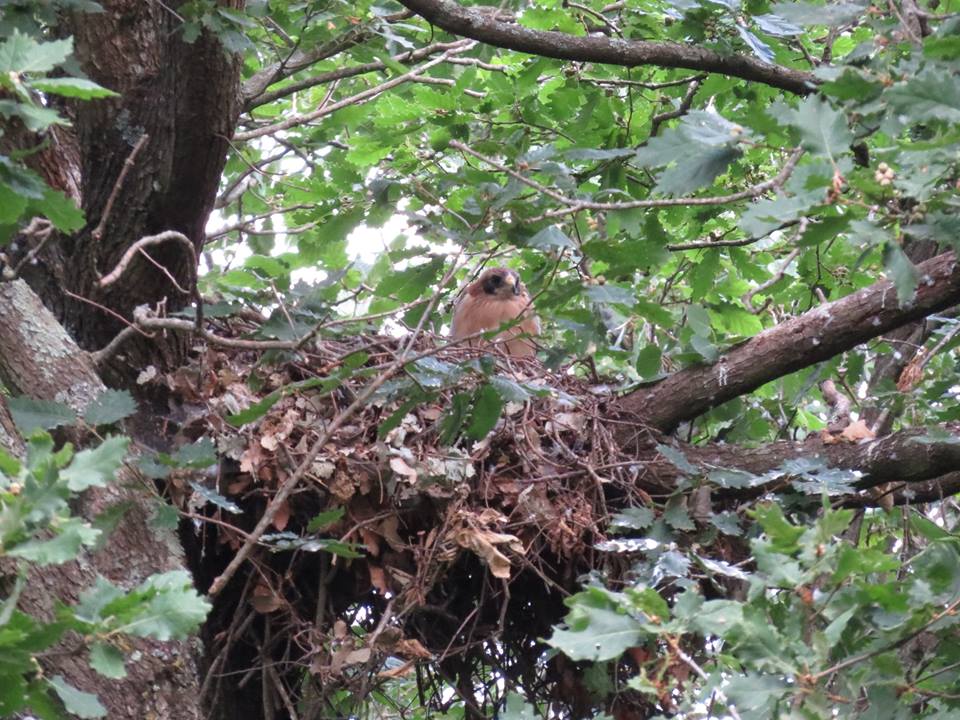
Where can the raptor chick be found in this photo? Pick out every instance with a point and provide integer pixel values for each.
(495, 298)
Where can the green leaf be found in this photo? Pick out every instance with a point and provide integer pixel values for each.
(325, 519)
(13, 690)
(510, 390)
(633, 518)
(931, 94)
(517, 709)
(551, 237)
(255, 411)
(823, 130)
(97, 466)
(676, 516)
(782, 533)
(278, 542)
(71, 536)
(608, 294)
(112, 406)
(30, 415)
(902, 272)
(453, 419)
(678, 459)
(60, 210)
(595, 629)
(167, 607)
(830, 14)
(9, 466)
(107, 660)
(215, 498)
(73, 88)
(487, 406)
(20, 53)
(755, 693)
(82, 704)
(199, 455)
(718, 617)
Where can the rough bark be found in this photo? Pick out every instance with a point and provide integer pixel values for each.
(899, 457)
(484, 26)
(185, 98)
(38, 358)
(800, 342)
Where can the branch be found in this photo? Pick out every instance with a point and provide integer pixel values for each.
(483, 26)
(256, 85)
(815, 336)
(902, 457)
(576, 205)
(357, 99)
(341, 73)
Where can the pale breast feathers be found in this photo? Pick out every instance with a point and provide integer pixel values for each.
(495, 298)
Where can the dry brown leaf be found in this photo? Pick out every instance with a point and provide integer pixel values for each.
(399, 466)
(912, 374)
(282, 516)
(857, 431)
(853, 433)
(397, 671)
(431, 413)
(265, 600)
(252, 458)
(411, 648)
(378, 579)
(388, 529)
(483, 543)
(342, 486)
(371, 540)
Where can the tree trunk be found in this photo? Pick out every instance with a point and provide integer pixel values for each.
(39, 359)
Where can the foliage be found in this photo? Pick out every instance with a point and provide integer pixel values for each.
(816, 625)
(25, 67)
(38, 529)
(659, 215)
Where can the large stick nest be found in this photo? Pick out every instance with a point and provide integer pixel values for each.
(423, 531)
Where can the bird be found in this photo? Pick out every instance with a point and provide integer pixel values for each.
(495, 298)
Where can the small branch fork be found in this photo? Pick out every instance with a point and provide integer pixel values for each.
(139, 248)
(361, 97)
(574, 205)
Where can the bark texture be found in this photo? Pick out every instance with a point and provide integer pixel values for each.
(800, 342)
(184, 99)
(39, 359)
(485, 26)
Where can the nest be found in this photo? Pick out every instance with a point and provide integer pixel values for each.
(434, 536)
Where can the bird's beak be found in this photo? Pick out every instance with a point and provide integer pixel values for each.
(512, 282)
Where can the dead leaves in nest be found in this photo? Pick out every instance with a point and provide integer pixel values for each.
(473, 532)
(387, 646)
(855, 432)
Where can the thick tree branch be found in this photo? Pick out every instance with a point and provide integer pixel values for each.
(798, 343)
(903, 457)
(485, 27)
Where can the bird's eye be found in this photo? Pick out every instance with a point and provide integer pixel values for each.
(496, 280)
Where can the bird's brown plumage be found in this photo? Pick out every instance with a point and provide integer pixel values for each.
(495, 298)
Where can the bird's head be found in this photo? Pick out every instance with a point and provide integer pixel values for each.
(500, 282)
